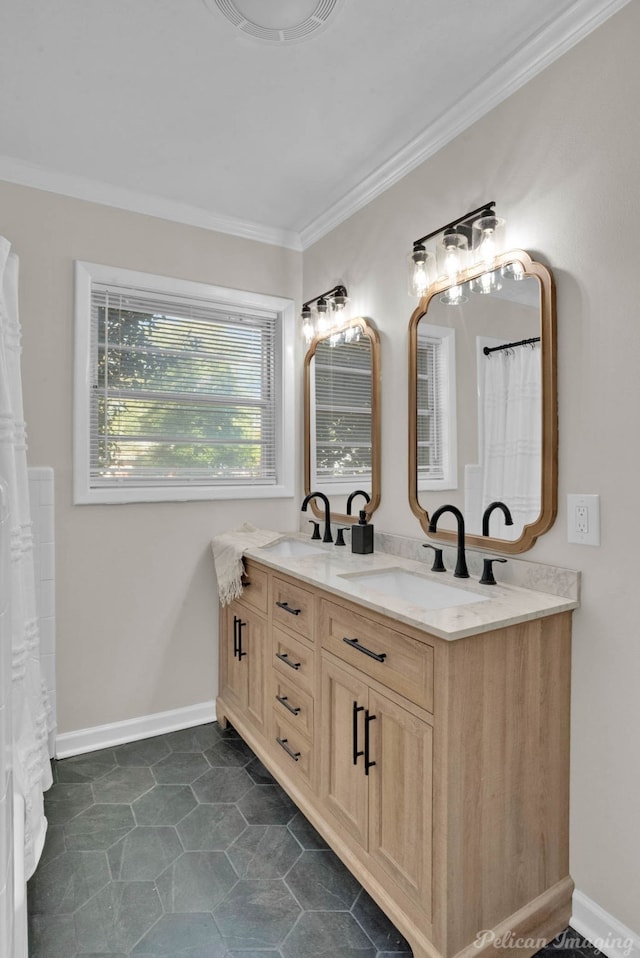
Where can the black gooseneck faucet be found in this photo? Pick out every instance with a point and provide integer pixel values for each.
(508, 521)
(461, 563)
(327, 537)
(358, 492)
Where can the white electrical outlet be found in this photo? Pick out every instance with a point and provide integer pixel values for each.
(583, 519)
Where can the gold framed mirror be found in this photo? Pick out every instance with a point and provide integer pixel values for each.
(483, 403)
(342, 418)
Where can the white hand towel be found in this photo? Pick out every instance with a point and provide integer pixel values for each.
(227, 554)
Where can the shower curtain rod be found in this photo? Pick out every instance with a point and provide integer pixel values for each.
(521, 342)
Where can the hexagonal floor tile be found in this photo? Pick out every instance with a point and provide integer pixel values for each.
(382, 932)
(305, 833)
(232, 751)
(196, 882)
(64, 801)
(123, 784)
(175, 936)
(145, 752)
(117, 917)
(98, 827)
(325, 934)
(144, 853)
(67, 882)
(260, 774)
(180, 768)
(257, 914)
(320, 882)
(222, 785)
(211, 827)
(84, 768)
(264, 851)
(267, 805)
(164, 805)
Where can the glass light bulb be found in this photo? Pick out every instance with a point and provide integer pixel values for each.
(454, 296)
(452, 255)
(307, 331)
(420, 265)
(488, 239)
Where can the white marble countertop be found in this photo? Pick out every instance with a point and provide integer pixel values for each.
(329, 569)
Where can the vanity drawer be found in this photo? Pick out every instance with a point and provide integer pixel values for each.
(295, 750)
(395, 660)
(292, 607)
(294, 706)
(293, 660)
(255, 587)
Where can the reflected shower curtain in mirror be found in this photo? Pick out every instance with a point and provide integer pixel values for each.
(31, 715)
(512, 440)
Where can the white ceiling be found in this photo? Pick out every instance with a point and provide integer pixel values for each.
(163, 106)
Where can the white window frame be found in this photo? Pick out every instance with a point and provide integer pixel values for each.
(86, 274)
(446, 337)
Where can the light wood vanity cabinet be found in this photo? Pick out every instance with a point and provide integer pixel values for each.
(437, 770)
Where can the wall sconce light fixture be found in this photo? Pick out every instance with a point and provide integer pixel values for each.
(325, 313)
(474, 239)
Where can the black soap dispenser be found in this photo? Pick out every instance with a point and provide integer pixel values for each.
(362, 536)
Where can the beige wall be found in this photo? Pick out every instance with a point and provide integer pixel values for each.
(561, 158)
(136, 603)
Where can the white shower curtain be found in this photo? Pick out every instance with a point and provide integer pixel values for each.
(32, 719)
(513, 434)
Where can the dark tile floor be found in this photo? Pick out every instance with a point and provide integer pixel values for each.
(183, 846)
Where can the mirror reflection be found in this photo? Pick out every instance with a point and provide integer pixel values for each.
(342, 421)
(483, 370)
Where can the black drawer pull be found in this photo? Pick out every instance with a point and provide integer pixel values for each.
(295, 710)
(378, 656)
(356, 752)
(284, 657)
(282, 742)
(367, 718)
(287, 608)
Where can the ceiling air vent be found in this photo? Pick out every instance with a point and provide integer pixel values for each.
(277, 21)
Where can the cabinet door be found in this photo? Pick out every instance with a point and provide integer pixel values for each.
(243, 661)
(400, 796)
(344, 785)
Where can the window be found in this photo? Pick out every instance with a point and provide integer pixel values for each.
(183, 390)
(437, 459)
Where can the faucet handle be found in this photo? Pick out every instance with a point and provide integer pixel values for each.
(340, 535)
(488, 577)
(438, 564)
(316, 529)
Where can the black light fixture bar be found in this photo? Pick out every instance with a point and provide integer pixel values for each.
(339, 290)
(488, 209)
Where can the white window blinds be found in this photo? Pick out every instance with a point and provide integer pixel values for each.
(182, 391)
(431, 408)
(343, 398)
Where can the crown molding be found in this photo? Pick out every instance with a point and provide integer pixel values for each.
(106, 194)
(548, 44)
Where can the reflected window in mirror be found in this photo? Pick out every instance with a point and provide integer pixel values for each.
(436, 412)
(505, 394)
(342, 417)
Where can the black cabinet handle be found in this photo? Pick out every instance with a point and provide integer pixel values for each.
(282, 742)
(284, 657)
(240, 625)
(367, 719)
(356, 708)
(378, 656)
(294, 709)
(287, 608)
(235, 636)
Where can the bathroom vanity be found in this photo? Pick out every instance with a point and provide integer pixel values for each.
(429, 746)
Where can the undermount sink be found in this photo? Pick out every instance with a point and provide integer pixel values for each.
(415, 588)
(291, 548)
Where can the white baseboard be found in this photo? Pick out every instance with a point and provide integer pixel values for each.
(604, 931)
(131, 730)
